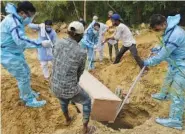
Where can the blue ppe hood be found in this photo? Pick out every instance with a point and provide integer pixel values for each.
(12, 9)
(172, 21)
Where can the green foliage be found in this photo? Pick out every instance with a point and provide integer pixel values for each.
(132, 12)
(53, 10)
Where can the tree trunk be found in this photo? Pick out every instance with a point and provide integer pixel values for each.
(111, 7)
(76, 10)
(85, 17)
(139, 14)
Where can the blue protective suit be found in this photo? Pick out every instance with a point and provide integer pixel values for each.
(13, 43)
(44, 54)
(173, 51)
(88, 42)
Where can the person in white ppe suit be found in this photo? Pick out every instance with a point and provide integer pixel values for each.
(45, 55)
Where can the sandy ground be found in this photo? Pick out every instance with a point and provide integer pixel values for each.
(137, 117)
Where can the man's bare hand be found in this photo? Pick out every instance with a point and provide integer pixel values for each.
(105, 41)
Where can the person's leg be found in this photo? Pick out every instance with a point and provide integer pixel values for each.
(64, 106)
(116, 49)
(17, 67)
(134, 52)
(120, 54)
(90, 58)
(177, 93)
(45, 70)
(101, 53)
(50, 65)
(163, 94)
(95, 56)
(83, 98)
(110, 51)
(36, 94)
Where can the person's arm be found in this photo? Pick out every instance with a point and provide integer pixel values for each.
(22, 40)
(110, 38)
(156, 49)
(54, 37)
(87, 42)
(82, 65)
(164, 53)
(96, 40)
(103, 31)
(86, 39)
(34, 26)
(105, 28)
(18, 35)
(116, 35)
(57, 47)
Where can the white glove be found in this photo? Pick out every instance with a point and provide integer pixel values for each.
(103, 42)
(42, 25)
(42, 30)
(46, 43)
(95, 46)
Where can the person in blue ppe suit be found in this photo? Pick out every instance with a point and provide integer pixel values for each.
(103, 28)
(94, 20)
(13, 43)
(45, 54)
(90, 41)
(172, 50)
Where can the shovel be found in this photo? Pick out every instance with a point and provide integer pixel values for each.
(125, 100)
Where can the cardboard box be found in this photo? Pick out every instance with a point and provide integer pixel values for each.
(104, 102)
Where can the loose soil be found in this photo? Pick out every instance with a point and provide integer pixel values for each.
(137, 117)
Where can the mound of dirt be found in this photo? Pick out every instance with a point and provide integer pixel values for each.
(142, 109)
(60, 27)
(137, 117)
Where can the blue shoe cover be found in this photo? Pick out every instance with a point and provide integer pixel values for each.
(36, 94)
(34, 103)
(169, 122)
(161, 96)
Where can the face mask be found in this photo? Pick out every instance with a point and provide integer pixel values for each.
(27, 20)
(48, 29)
(95, 32)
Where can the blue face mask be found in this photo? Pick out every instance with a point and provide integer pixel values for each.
(48, 29)
(27, 20)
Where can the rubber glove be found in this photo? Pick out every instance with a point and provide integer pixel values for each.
(46, 43)
(42, 25)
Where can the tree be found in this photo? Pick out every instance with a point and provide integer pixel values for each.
(132, 12)
(85, 16)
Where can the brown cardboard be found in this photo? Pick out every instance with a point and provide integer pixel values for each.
(104, 103)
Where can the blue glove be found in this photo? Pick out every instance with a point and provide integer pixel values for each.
(156, 49)
(145, 63)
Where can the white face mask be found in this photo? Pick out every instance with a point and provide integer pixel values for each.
(95, 32)
(48, 29)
